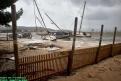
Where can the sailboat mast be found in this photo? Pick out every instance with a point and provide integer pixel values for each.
(82, 17)
(35, 18)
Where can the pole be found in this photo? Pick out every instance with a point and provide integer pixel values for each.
(14, 30)
(7, 35)
(70, 56)
(82, 17)
(100, 42)
(114, 37)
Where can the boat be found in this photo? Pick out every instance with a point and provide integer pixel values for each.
(83, 34)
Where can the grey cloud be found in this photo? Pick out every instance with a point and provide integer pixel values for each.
(76, 2)
(109, 3)
(107, 12)
(28, 2)
(99, 15)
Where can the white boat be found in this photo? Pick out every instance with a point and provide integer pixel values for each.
(83, 34)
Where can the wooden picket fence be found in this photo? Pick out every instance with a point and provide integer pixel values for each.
(36, 67)
(39, 67)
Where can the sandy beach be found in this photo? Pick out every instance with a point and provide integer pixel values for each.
(36, 46)
(106, 70)
(6, 47)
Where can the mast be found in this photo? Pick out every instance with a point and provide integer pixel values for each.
(35, 17)
(82, 17)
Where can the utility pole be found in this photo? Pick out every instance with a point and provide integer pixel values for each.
(82, 17)
(15, 43)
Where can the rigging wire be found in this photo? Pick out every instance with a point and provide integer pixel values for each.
(40, 16)
(36, 18)
(54, 23)
(43, 23)
(39, 21)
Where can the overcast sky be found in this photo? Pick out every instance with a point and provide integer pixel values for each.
(97, 12)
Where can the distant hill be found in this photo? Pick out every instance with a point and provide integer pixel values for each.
(24, 28)
(33, 29)
(30, 29)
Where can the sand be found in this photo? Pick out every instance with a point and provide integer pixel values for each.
(6, 47)
(107, 70)
(24, 51)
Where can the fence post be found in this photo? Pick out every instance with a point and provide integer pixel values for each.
(100, 42)
(70, 56)
(14, 30)
(7, 36)
(114, 37)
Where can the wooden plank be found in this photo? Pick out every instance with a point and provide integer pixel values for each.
(46, 69)
(39, 65)
(50, 67)
(53, 67)
(61, 63)
(56, 62)
(42, 64)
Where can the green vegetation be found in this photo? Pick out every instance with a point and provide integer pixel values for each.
(5, 16)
